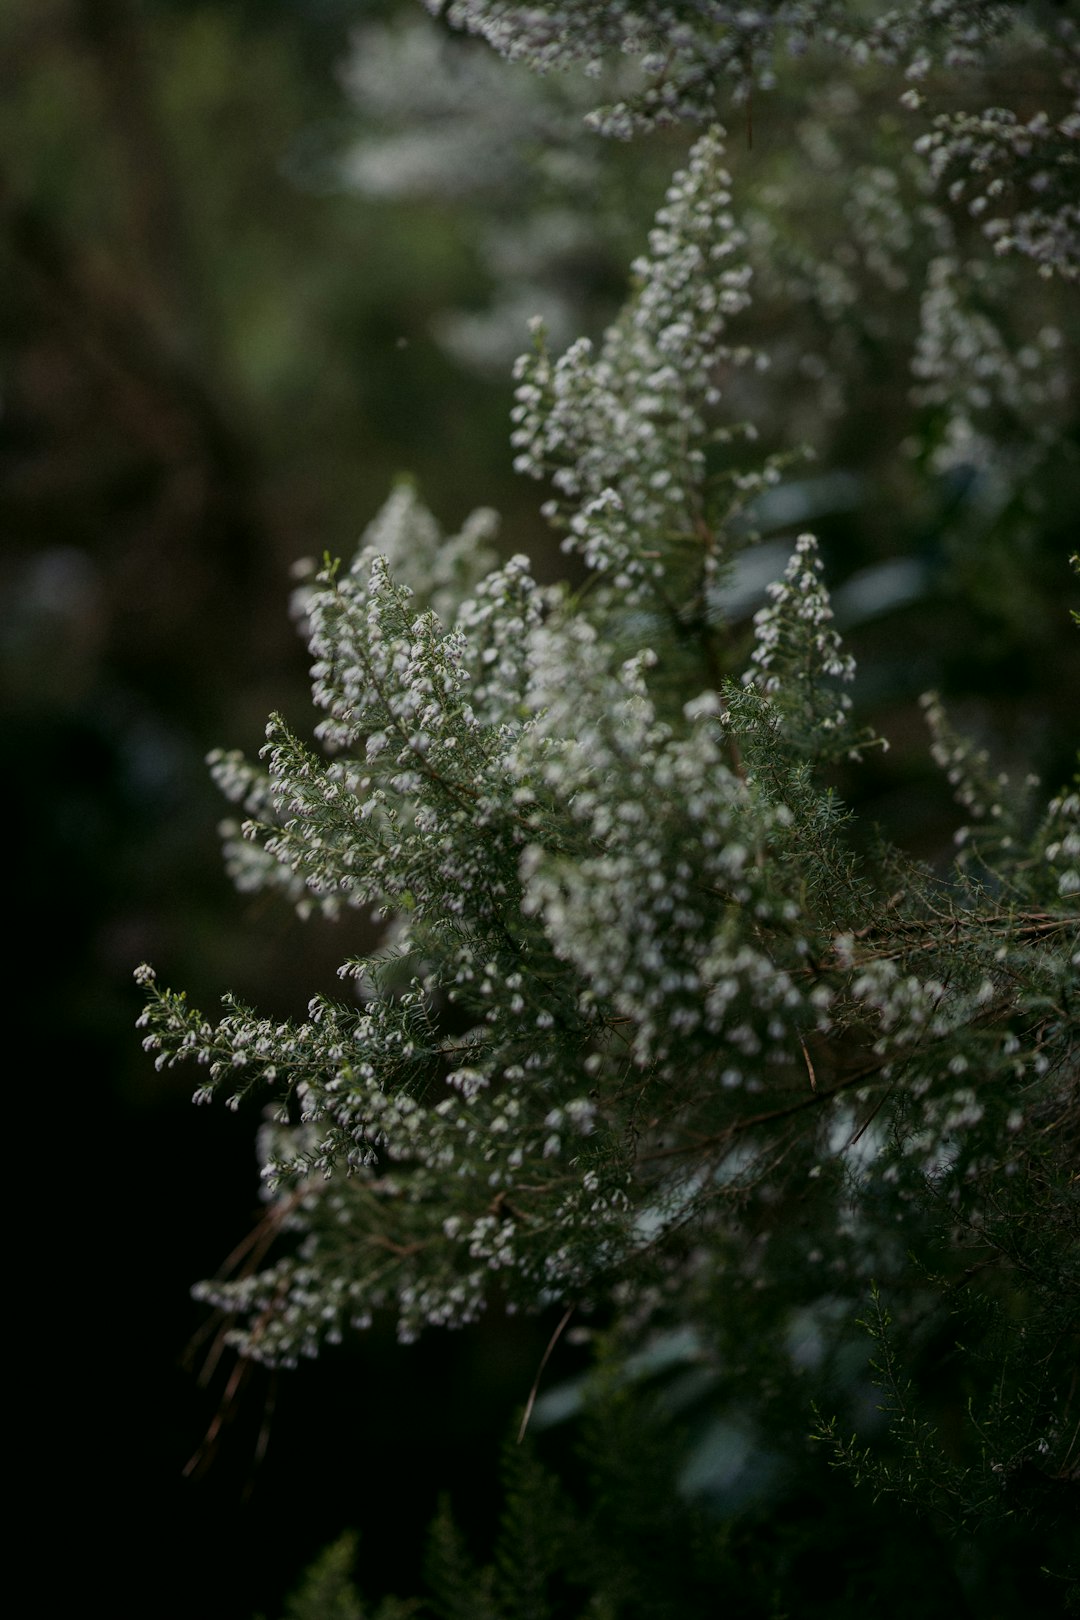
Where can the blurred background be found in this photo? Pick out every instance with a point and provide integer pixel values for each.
(260, 257)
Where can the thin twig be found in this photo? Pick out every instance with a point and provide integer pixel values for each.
(552, 1342)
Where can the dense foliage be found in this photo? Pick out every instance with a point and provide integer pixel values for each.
(660, 1036)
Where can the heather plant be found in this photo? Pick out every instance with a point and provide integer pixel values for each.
(658, 1034)
(882, 249)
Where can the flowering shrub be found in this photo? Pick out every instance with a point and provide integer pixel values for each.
(657, 1031)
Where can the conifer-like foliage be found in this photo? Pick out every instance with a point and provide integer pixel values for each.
(657, 1032)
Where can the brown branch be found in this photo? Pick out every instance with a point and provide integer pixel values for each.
(531, 1402)
(769, 1116)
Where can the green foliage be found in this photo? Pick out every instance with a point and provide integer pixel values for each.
(657, 1033)
(630, 1541)
(458, 1588)
(328, 1592)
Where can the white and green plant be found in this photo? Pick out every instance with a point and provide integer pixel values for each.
(658, 1032)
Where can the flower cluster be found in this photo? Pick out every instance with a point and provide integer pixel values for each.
(685, 49)
(622, 434)
(797, 649)
(1019, 177)
(644, 992)
(964, 362)
(643, 962)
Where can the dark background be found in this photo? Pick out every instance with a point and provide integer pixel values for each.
(215, 358)
(211, 367)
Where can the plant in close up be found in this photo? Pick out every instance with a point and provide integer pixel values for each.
(659, 1032)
